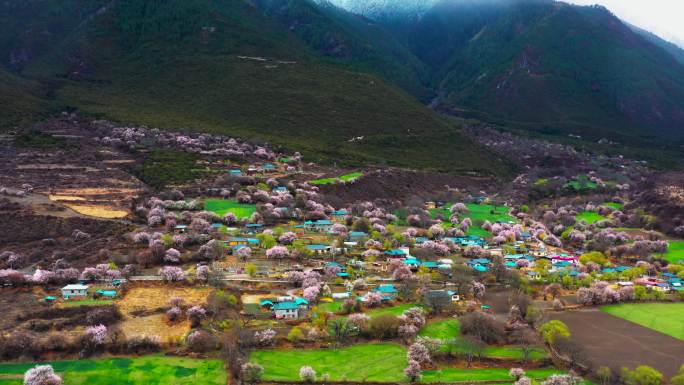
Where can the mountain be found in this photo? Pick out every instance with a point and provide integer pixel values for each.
(548, 67)
(673, 49)
(21, 101)
(310, 78)
(384, 9)
(347, 81)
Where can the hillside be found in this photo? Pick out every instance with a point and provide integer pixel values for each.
(253, 69)
(548, 67)
(21, 101)
(350, 87)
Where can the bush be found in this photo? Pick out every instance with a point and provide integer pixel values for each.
(251, 373)
(103, 316)
(200, 341)
(384, 326)
(642, 375)
(484, 327)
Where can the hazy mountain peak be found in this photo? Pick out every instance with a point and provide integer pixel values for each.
(376, 9)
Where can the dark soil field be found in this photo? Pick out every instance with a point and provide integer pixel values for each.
(614, 342)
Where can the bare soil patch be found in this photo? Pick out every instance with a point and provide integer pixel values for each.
(614, 342)
(150, 298)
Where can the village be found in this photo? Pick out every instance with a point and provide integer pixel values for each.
(258, 267)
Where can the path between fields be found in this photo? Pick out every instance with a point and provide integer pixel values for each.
(615, 342)
(239, 277)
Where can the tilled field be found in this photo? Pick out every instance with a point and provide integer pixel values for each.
(616, 343)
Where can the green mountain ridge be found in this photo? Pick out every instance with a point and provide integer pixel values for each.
(257, 69)
(312, 76)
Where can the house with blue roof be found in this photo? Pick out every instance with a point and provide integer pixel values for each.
(285, 310)
(319, 249)
(388, 291)
(396, 253)
(421, 240)
(286, 307)
(429, 264)
(321, 225)
(253, 228)
(235, 172)
(480, 264)
(242, 241)
(470, 240)
(339, 215)
(356, 236)
(280, 189)
(269, 167)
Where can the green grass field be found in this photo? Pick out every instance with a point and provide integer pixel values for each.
(589, 217)
(615, 205)
(364, 362)
(224, 206)
(667, 318)
(581, 183)
(448, 329)
(367, 362)
(392, 310)
(489, 374)
(331, 307)
(443, 330)
(478, 232)
(675, 252)
(88, 302)
(477, 214)
(148, 370)
(345, 178)
(480, 213)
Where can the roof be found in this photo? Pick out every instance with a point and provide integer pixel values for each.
(322, 222)
(317, 247)
(107, 293)
(75, 286)
(395, 252)
(253, 225)
(437, 294)
(285, 306)
(480, 261)
(301, 301)
(357, 234)
(339, 212)
(387, 288)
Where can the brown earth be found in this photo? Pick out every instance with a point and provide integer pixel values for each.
(616, 343)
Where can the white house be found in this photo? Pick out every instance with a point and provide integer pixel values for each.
(75, 290)
(286, 310)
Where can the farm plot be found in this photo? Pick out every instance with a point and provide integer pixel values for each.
(614, 342)
(149, 370)
(224, 206)
(486, 374)
(344, 178)
(667, 318)
(589, 217)
(675, 252)
(365, 362)
(450, 328)
(153, 299)
(368, 362)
